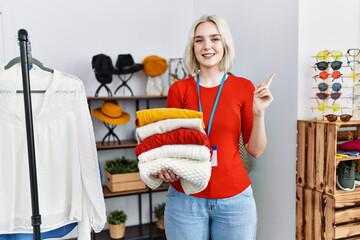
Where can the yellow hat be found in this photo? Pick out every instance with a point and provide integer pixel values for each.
(154, 65)
(111, 112)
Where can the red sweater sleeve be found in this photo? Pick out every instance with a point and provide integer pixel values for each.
(247, 113)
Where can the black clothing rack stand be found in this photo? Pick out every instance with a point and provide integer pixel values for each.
(36, 217)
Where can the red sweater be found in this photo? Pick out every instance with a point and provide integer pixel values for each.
(177, 136)
(233, 113)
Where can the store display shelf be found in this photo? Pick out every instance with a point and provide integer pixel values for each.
(347, 159)
(141, 231)
(129, 143)
(126, 98)
(109, 194)
(354, 194)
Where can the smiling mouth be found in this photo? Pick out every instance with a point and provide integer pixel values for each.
(208, 55)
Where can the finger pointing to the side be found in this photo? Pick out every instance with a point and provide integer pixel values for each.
(268, 82)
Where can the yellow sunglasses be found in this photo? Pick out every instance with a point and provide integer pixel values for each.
(323, 55)
(334, 107)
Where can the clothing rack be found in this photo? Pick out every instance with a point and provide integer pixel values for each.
(36, 217)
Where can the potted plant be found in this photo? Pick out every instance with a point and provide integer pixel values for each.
(121, 165)
(116, 220)
(159, 214)
(123, 175)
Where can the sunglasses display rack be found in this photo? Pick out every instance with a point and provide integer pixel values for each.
(337, 85)
(323, 210)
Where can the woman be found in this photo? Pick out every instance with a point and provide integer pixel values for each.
(231, 105)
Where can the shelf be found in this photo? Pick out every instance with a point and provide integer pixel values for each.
(346, 159)
(142, 231)
(126, 98)
(334, 213)
(355, 194)
(130, 143)
(136, 233)
(109, 194)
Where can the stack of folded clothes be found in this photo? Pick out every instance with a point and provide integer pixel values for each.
(171, 138)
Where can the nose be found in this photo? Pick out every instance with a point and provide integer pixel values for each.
(207, 44)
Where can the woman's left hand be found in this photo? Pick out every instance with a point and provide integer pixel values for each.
(262, 96)
(167, 175)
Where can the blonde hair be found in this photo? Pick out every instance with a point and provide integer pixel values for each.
(228, 59)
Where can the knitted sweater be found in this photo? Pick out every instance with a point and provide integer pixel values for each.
(147, 116)
(168, 125)
(190, 162)
(173, 139)
(177, 136)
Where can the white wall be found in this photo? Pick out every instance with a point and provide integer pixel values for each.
(2, 55)
(66, 34)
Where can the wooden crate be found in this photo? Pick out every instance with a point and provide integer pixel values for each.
(124, 182)
(309, 214)
(316, 153)
(320, 216)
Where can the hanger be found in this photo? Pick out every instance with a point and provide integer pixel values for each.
(31, 61)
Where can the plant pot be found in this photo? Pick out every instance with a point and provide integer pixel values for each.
(117, 231)
(160, 223)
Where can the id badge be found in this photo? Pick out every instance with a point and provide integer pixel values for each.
(214, 162)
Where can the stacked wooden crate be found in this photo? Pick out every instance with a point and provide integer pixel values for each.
(324, 212)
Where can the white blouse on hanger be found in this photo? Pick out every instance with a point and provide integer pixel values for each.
(68, 175)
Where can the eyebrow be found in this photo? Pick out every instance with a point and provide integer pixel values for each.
(212, 35)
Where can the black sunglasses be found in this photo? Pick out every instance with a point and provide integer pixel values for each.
(335, 65)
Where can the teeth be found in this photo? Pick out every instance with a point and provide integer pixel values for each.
(208, 54)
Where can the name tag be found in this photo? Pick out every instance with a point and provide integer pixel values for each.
(214, 161)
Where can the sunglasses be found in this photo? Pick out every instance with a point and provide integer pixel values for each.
(323, 55)
(335, 87)
(343, 117)
(353, 63)
(334, 107)
(353, 52)
(324, 96)
(335, 65)
(353, 74)
(324, 75)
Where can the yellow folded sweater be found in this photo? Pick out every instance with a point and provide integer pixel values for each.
(144, 117)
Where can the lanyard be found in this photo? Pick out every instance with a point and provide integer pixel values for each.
(216, 100)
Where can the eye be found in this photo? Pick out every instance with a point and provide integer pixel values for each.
(216, 39)
(198, 40)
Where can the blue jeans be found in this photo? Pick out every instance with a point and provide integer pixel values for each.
(191, 218)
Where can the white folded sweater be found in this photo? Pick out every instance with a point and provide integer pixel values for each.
(194, 171)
